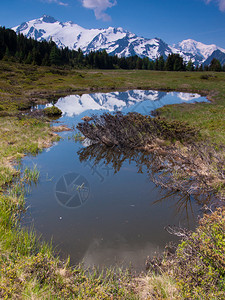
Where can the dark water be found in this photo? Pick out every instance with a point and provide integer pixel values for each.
(100, 206)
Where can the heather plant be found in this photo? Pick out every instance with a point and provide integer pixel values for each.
(199, 264)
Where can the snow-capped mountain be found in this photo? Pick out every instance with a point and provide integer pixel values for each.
(197, 50)
(116, 41)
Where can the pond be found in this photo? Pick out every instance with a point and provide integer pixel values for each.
(99, 205)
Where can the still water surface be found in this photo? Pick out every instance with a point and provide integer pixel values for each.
(105, 213)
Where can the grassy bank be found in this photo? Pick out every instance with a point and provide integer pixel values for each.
(28, 266)
(19, 136)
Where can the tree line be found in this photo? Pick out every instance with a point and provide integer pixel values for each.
(18, 48)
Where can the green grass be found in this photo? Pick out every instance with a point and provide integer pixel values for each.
(77, 137)
(157, 286)
(31, 175)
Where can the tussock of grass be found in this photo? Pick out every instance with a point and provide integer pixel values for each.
(31, 175)
(154, 287)
(135, 130)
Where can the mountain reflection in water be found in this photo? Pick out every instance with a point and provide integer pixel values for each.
(141, 101)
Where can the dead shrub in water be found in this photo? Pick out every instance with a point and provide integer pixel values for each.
(134, 130)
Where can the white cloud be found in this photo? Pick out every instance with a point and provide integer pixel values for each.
(57, 2)
(99, 7)
(221, 3)
(62, 3)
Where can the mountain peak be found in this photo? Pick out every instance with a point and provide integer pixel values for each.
(197, 48)
(48, 19)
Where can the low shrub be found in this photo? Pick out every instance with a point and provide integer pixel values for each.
(52, 111)
(199, 264)
(204, 76)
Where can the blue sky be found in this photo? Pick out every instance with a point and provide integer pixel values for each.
(171, 20)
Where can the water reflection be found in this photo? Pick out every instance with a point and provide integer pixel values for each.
(141, 101)
(145, 162)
